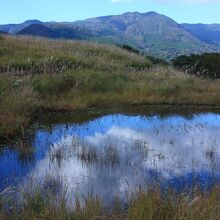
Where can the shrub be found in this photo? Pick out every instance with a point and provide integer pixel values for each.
(206, 65)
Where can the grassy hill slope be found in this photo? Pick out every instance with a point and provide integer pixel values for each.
(52, 75)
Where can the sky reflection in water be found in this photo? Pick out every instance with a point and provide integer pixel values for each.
(114, 154)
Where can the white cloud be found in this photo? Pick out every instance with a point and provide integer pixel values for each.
(117, 1)
(173, 1)
(191, 1)
(201, 1)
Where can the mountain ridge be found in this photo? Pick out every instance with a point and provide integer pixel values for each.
(151, 33)
(209, 33)
(56, 31)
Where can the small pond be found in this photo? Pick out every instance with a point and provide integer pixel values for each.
(115, 153)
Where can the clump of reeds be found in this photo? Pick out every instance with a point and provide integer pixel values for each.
(143, 205)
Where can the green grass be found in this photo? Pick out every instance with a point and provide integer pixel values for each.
(38, 74)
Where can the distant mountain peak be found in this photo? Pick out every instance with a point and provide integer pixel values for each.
(130, 13)
(33, 21)
(139, 13)
(151, 13)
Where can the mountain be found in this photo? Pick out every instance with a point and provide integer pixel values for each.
(209, 33)
(15, 28)
(56, 31)
(38, 30)
(151, 33)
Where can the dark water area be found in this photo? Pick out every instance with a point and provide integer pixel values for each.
(113, 153)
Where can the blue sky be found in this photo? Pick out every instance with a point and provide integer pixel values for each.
(191, 11)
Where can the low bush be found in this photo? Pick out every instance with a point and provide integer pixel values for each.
(206, 65)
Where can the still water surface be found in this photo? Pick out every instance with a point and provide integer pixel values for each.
(115, 154)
